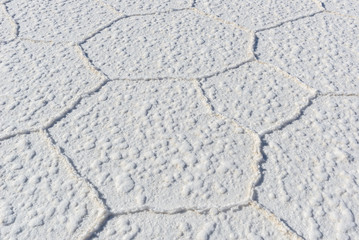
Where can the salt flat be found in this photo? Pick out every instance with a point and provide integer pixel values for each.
(179, 119)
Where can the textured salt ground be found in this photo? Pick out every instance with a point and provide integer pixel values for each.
(257, 96)
(311, 170)
(175, 158)
(6, 25)
(39, 197)
(161, 149)
(244, 223)
(322, 51)
(59, 20)
(343, 6)
(130, 7)
(38, 82)
(176, 45)
(257, 14)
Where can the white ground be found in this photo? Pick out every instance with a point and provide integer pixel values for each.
(136, 119)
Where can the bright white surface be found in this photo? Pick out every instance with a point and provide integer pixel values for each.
(178, 45)
(312, 170)
(343, 6)
(245, 223)
(161, 148)
(255, 95)
(322, 51)
(129, 7)
(179, 119)
(59, 20)
(5, 25)
(257, 14)
(37, 82)
(39, 196)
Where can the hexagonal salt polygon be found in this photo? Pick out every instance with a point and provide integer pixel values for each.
(257, 96)
(153, 143)
(176, 45)
(311, 169)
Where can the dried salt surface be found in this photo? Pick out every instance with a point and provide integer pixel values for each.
(59, 20)
(150, 159)
(321, 50)
(243, 224)
(39, 198)
(154, 144)
(6, 27)
(177, 45)
(257, 96)
(342, 6)
(38, 81)
(129, 7)
(312, 168)
(257, 14)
